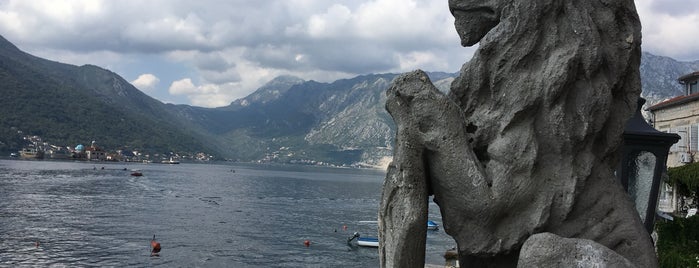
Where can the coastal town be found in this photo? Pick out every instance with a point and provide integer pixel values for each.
(37, 148)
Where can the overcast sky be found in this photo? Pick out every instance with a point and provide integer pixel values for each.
(211, 52)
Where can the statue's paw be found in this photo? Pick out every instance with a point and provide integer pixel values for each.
(410, 92)
(550, 250)
(409, 84)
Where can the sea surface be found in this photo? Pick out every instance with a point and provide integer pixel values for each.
(86, 214)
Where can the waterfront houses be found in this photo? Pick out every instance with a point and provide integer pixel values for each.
(679, 115)
(36, 148)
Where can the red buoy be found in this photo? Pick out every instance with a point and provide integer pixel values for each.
(155, 247)
(307, 243)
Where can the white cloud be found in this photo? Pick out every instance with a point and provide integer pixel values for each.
(222, 77)
(333, 23)
(236, 42)
(670, 27)
(12, 21)
(146, 82)
(210, 95)
(230, 48)
(169, 33)
(207, 95)
(183, 87)
(385, 22)
(416, 60)
(405, 20)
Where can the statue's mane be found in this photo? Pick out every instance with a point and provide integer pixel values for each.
(559, 63)
(548, 46)
(560, 77)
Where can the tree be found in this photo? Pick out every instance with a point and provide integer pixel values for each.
(678, 244)
(686, 179)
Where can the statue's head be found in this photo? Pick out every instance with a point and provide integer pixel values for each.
(475, 18)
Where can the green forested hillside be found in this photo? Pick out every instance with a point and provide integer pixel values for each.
(68, 105)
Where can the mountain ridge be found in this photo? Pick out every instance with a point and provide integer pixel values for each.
(287, 120)
(68, 104)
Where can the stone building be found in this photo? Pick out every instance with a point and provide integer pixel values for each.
(95, 153)
(679, 115)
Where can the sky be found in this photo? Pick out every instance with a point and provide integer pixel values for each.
(209, 53)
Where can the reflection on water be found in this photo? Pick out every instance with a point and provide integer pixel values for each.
(203, 215)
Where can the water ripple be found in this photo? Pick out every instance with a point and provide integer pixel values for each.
(203, 216)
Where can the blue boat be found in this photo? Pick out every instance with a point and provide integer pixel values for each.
(364, 241)
(374, 241)
(432, 225)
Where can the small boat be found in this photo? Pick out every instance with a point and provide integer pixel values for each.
(171, 161)
(432, 225)
(364, 241)
(368, 242)
(31, 153)
(136, 173)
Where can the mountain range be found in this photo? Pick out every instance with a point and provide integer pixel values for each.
(288, 120)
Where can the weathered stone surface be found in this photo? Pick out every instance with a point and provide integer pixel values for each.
(549, 250)
(526, 140)
(418, 108)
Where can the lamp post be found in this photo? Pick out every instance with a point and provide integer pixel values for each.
(644, 154)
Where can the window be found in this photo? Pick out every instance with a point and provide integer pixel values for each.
(694, 138)
(683, 143)
(666, 196)
(674, 147)
(693, 87)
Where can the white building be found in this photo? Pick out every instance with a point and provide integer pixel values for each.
(679, 115)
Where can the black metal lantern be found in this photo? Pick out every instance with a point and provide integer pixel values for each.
(643, 160)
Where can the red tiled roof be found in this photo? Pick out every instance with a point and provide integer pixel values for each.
(674, 101)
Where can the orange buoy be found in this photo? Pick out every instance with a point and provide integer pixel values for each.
(155, 247)
(344, 227)
(307, 243)
(37, 244)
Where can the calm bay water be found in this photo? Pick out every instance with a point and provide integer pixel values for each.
(203, 215)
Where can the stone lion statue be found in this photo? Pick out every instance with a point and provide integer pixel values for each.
(520, 155)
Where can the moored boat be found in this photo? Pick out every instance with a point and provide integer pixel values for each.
(432, 225)
(171, 161)
(363, 241)
(368, 242)
(31, 153)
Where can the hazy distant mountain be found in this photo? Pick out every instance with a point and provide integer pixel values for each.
(287, 120)
(274, 89)
(659, 77)
(290, 120)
